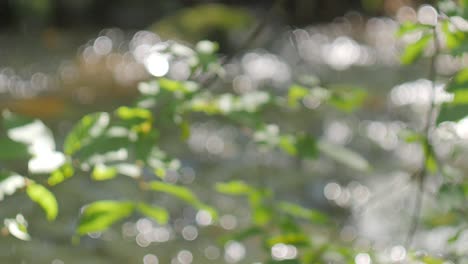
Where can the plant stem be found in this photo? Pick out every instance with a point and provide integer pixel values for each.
(421, 174)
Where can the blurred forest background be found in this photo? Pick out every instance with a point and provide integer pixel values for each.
(61, 59)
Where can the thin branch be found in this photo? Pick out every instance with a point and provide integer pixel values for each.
(422, 173)
(208, 82)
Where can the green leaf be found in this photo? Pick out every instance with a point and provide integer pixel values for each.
(451, 196)
(102, 172)
(59, 175)
(430, 158)
(306, 146)
(127, 113)
(11, 150)
(159, 214)
(457, 109)
(100, 215)
(296, 93)
(344, 156)
(234, 188)
(408, 27)
(298, 211)
(243, 234)
(44, 198)
(415, 50)
(296, 239)
(11, 120)
(347, 99)
(183, 194)
(10, 182)
(90, 126)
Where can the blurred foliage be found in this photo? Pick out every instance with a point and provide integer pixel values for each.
(127, 142)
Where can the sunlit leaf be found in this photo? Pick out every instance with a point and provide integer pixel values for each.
(59, 175)
(415, 50)
(295, 94)
(347, 99)
(182, 193)
(90, 126)
(344, 155)
(17, 227)
(298, 211)
(409, 27)
(234, 188)
(296, 239)
(10, 182)
(100, 215)
(44, 198)
(102, 172)
(157, 213)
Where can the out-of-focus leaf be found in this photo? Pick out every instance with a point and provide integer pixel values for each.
(452, 196)
(411, 136)
(296, 239)
(11, 120)
(408, 27)
(192, 23)
(157, 213)
(454, 238)
(288, 144)
(100, 215)
(344, 155)
(90, 126)
(234, 188)
(243, 234)
(145, 144)
(104, 149)
(306, 146)
(347, 99)
(10, 182)
(457, 109)
(59, 175)
(127, 113)
(430, 159)
(183, 194)
(298, 211)
(17, 227)
(415, 50)
(11, 150)
(102, 172)
(44, 198)
(295, 94)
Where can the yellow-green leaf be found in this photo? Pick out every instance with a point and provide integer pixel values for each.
(44, 198)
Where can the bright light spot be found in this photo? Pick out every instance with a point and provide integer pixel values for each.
(427, 15)
(190, 233)
(142, 240)
(362, 258)
(342, 53)
(332, 191)
(203, 218)
(46, 162)
(185, 257)
(398, 253)
(9, 185)
(157, 64)
(212, 252)
(144, 225)
(228, 222)
(461, 128)
(234, 252)
(418, 93)
(214, 145)
(206, 46)
(57, 261)
(150, 259)
(160, 234)
(282, 251)
(102, 45)
(338, 132)
(128, 169)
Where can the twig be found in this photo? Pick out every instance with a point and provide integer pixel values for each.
(208, 82)
(422, 173)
